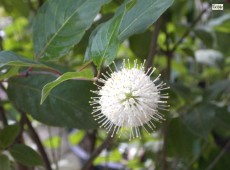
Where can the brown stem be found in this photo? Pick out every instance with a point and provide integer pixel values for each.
(153, 44)
(97, 151)
(38, 142)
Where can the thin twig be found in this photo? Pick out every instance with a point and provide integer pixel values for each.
(153, 44)
(188, 30)
(213, 163)
(52, 148)
(97, 151)
(3, 116)
(38, 142)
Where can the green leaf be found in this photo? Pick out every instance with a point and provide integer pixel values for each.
(180, 140)
(141, 16)
(12, 71)
(67, 76)
(215, 90)
(205, 35)
(8, 135)
(9, 58)
(131, 18)
(63, 25)
(4, 162)
(105, 43)
(25, 155)
(66, 106)
(200, 119)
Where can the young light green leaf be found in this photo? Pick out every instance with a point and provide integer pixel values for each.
(63, 25)
(8, 135)
(66, 106)
(4, 163)
(25, 155)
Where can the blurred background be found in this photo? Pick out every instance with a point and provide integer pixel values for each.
(189, 45)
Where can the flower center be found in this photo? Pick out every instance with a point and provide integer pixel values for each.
(130, 98)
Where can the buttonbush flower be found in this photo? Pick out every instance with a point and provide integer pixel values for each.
(129, 99)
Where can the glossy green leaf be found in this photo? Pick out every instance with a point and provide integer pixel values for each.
(141, 16)
(105, 43)
(200, 119)
(4, 163)
(67, 105)
(9, 58)
(67, 76)
(8, 135)
(25, 155)
(63, 25)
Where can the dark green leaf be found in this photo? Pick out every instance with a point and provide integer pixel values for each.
(139, 44)
(67, 105)
(200, 119)
(48, 87)
(25, 155)
(141, 16)
(8, 135)
(214, 91)
(205, 35)
(4, 163)
(178, 133)
(63, 25)
(8, 58)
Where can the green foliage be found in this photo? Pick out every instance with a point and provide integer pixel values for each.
(25, 155)
(8, 135)
(67, 105)
(64, 24)
(4, 162)
(67, 76)
(38, 77)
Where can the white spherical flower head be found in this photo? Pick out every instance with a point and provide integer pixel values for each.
(129, 99)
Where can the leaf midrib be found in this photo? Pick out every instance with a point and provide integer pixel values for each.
(59, 30)
(137, 18)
